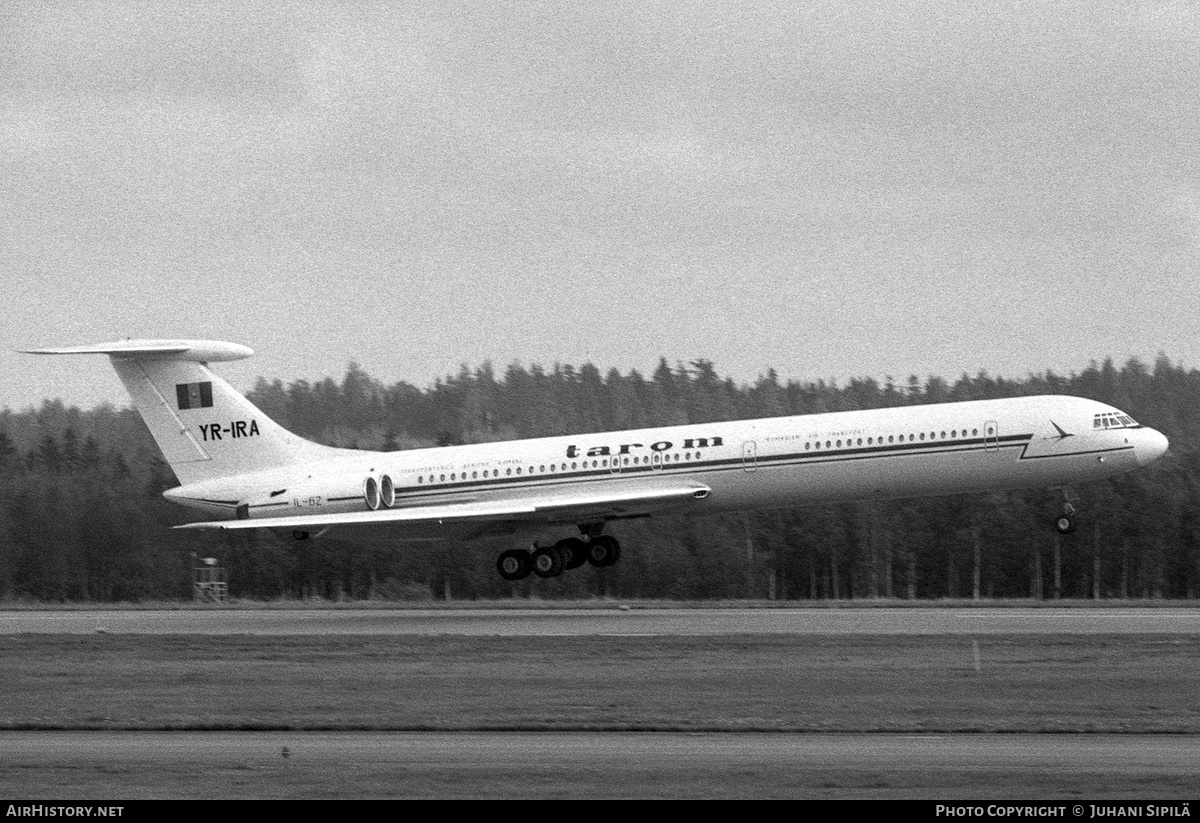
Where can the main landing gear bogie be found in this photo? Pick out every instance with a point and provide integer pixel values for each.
(551, 561)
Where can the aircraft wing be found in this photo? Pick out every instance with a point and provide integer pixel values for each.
(556, 506)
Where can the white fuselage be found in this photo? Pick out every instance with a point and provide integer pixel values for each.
(774, 462)
(238, 465)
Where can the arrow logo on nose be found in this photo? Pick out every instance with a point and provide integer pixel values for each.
(1062, 434)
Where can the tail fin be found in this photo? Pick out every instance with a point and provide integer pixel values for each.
(205, 429)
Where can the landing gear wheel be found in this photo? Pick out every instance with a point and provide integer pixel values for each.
(514, 564)
(574, 551)
(603, 551)
(1065, 523)
(548, 562)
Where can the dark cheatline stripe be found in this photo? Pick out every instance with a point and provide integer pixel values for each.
(1076, 454)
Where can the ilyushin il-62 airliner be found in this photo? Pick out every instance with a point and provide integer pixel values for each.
(246, 472)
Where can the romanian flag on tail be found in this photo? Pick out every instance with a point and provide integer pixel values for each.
(194, 395)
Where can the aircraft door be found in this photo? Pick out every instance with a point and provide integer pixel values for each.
(991, 436)
(749, 456)
(656, 461)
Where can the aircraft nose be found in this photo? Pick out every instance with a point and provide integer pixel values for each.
(1151, 445)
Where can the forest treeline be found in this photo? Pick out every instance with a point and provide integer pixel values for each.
(82, 516)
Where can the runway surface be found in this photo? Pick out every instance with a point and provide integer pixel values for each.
(516, 764)
(1131, 753)
(611, 622)
(135, 764)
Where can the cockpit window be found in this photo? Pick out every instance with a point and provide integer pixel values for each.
(1113, 420)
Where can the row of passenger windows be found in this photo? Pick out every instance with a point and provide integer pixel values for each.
(551, 467)
(485, 474)
(954, 434)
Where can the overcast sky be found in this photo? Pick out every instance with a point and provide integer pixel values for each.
(830, 189)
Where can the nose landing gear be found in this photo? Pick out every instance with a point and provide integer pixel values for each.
(1065, 522)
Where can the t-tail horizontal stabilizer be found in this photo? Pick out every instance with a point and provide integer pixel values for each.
(201, 351)
(205, 428)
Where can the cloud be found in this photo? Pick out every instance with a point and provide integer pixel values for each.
(350, 163)
(1181, 214)
(164, 51)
